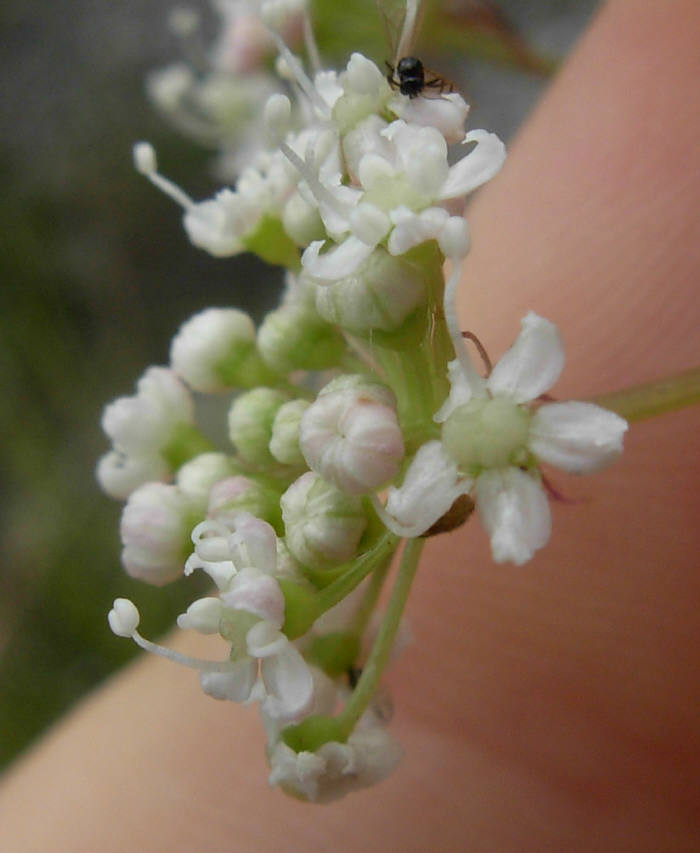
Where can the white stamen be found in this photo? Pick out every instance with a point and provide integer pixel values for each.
(310, 42)
(300, 75)
(146, 163)
(185, 660)
(320, 193)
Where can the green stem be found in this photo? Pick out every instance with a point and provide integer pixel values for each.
(369, 601)
(344, 585)
(654, 398)
(369, 680)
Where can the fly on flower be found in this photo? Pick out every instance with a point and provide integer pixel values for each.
(407, 73)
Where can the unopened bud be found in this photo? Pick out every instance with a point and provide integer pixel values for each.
(250, 423)
(350, 435)
(284, 444)
(215, 350)
(155, 532)
(380, 295)
(323, 526)
(294, 337)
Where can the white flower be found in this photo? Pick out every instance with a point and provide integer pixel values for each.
(249, 613)
(335, 769)
(351, 436)
(492, 443)
(401, 183)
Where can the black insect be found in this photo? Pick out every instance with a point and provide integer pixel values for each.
(411, 78)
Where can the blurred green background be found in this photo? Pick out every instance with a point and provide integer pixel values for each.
(96, 276)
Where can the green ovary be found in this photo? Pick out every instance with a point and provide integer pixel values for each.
(487, 433)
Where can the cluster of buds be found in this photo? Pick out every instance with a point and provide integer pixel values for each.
(360, 424)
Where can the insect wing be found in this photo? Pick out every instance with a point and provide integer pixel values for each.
(401, 20)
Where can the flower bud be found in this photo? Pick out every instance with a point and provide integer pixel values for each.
(322, 525)
(215, 350)
(284, 444)
(230, 497)
(294, 337)
(155, 532)
(143, 424)
(350, 435)
(123, 618)
(118, 475)
(250, 421)
(379, 295)
(196, 477)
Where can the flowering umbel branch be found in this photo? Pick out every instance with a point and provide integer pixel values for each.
(359, 420)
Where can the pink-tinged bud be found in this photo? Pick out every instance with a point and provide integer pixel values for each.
(155, 527)
(350, 435)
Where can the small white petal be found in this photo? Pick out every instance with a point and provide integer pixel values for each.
(235, 685)
(461, 391)
(337, 263)
(576, 437)
(289, 685)
(532, 365)
(202, 615)
(265, 639)
(479, 166)
(430, 486)
(513, 508)
(447, 113)
(254, 592)
(411, 229)
(369, 223)
(253, 543)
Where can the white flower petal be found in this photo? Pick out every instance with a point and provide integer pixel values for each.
(513, 508)
(265, 639)
(411, 229)
(234, 685)
(532, 365)
(447, 113)
(257, 593)
(339, 262)
(289, 685)
(253, 543)
(430, 486)
(479, 166)
(461, 391)
(576, 437)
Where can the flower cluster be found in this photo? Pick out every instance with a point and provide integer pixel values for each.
(359, 425)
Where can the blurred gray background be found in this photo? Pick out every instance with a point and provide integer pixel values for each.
(96, 276)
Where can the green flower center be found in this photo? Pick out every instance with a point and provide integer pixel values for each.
(487, 433)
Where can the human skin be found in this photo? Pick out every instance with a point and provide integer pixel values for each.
(552, 706)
